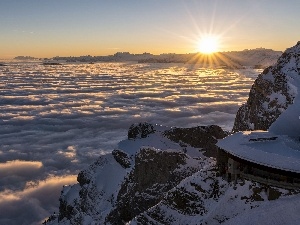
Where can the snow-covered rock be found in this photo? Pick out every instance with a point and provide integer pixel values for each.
(205, 198)
(271, 94)
(154, 180)
(204, 137)
(155, 172)
(140, 130)
(136, 176)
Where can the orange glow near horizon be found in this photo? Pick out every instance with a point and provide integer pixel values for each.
(214, 60)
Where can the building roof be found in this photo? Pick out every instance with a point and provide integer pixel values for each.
(264, 148)
(280, 146)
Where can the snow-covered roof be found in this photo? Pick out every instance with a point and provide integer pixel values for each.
(280, 146)
(264, 148)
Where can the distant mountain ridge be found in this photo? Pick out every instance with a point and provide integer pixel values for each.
(259, 58)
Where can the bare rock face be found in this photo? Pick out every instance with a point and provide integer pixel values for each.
(155, 173)
(198, 137)
(271, 94)
(122, 158)
(121, 185)
(188, 199)
(140, 130)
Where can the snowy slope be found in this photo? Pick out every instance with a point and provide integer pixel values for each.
(96, 194)
(204, 198)
(288, 122)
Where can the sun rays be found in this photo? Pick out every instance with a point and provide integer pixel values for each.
(208, 45)
(214, 60)
(209, 48)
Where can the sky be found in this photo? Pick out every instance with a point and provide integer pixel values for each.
(100, 27)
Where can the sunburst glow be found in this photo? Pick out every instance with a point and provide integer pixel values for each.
(208, 45)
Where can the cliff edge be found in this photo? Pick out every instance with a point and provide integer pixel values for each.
(271, 94)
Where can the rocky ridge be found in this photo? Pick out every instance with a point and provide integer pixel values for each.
(257, 58)
(168, 183)
(155, 172)
(272, 92)
(205, 198)
(121, 185)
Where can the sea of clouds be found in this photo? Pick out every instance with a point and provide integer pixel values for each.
(56, 120)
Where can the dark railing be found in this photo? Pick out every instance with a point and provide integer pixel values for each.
(280, 184)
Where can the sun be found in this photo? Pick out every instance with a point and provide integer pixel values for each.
(208, 45)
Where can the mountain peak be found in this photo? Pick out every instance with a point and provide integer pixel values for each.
(271, 94)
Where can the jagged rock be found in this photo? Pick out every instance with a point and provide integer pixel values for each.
(122, 158)
(152, 186)
(272, 92)
(206, 199)
(155, 173)
(120, 186)
(140, 130)
(196, 201)
(65, 210)
(199, 137)
(82, 179)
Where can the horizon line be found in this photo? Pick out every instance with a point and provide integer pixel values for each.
(127, 52)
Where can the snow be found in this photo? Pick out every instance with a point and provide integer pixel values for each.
(288, 122)
(233, 206)
(279, 97)
(71, 192)
(113, 173)
(281, 211)
(282, 153)
(156, 141)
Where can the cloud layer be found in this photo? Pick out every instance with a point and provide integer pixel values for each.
(33, 204)
(57, 120)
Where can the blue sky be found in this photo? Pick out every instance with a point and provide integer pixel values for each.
(45, 28)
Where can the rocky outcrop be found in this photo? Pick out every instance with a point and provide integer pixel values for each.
(140, 130)
(122, 158)
(189, 199)
(204, 198)
(155, 185)
(155, 172)
(272, 92)
(126, 182)
(204, 137)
